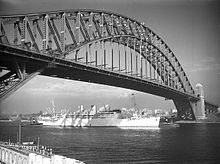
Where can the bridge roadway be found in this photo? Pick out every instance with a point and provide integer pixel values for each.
(61, 68)
(56, 67)
(98, 47)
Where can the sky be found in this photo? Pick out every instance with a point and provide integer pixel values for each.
(191, 28)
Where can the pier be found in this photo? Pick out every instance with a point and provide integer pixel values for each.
(11, 153)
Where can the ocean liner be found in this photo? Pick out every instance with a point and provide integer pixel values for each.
(101, 118)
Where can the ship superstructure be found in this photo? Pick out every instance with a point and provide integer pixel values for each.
(98, 117)
(52, 117)
(109, 118)
(102, 117)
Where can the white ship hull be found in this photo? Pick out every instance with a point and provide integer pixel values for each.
(52, 122)
(112, 122)
(107, 120)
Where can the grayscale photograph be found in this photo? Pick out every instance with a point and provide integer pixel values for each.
(109, 81)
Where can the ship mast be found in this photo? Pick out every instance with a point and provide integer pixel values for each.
(137, 110)
(134, 100)
(53, 107)
(19, 133)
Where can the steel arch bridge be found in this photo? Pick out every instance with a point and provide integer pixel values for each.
(94, 46)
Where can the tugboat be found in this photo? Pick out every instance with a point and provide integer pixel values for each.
(34, 121)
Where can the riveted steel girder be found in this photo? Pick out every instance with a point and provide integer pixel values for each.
(61, 34)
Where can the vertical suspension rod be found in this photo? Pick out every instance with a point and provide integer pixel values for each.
(112, 54)
(119, 57)
(104, 54)
(125, 48)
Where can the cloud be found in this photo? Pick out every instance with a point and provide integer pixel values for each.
(13, 2)
(54, 86)
(207, 64)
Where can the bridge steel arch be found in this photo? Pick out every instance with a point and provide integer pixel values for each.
(78, 44)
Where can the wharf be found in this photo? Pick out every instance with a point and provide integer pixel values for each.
(11, 153)
(197, 122)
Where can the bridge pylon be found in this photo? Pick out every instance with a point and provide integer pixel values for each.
(192, 110)
(199, 108)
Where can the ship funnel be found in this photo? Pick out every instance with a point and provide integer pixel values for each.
(93, 109)
(81, 108)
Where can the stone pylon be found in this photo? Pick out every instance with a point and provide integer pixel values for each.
(199, 108)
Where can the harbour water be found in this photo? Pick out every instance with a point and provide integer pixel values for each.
(189, 143)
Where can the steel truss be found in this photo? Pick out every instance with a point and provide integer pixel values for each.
(106, 40)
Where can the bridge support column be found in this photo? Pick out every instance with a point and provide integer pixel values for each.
(184, 109)
(199, 108)
(191, 110)
(13, 86)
